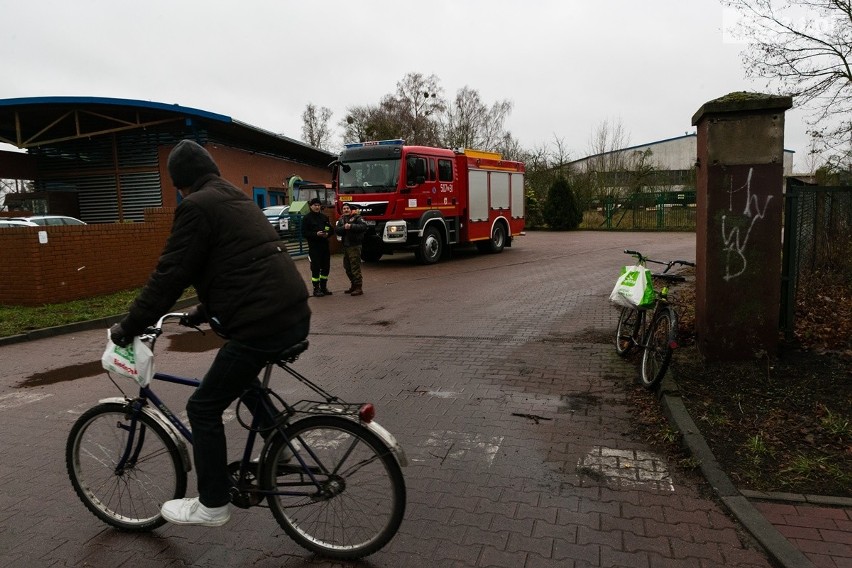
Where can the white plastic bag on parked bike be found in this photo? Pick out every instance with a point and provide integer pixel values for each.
(136, 361)
(634, 288)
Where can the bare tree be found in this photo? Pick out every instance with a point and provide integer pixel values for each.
(510, 148)
(469, 123)
(605, 145)
(803, 48)
(8, 186)
(315, 129)
(357, 126)
(411, 113)
(612, 170)
(416, 106)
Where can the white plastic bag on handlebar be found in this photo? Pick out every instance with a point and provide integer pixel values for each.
(136, 361)
(634, 288)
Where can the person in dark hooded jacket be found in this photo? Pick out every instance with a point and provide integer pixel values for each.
(250, 292)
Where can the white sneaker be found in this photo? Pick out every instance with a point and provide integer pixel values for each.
(190, 511)
(285, 458)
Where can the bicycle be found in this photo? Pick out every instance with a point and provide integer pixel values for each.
(654, 333)
(330, 473)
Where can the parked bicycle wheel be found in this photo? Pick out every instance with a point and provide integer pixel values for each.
(662, 335)
(627, 332)
(360, 501)
(129, 497)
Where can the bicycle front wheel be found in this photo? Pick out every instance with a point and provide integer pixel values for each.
(127, 497)
(658, 352)
(627, 332)
(354, 504)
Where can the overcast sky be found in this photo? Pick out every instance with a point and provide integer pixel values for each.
(566, 65)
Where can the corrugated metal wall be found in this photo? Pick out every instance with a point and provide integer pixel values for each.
(96, 168)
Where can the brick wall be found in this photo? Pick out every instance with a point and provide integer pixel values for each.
(79, 261)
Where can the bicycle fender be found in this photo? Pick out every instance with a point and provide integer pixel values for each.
(167, 426)
(389, 440)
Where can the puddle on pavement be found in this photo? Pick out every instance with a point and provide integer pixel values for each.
(69, 373)
(189, 342)
(577, 402)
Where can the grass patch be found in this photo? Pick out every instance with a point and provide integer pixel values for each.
(810, 467)
(15, 320)
(756, 449)
(834, 424)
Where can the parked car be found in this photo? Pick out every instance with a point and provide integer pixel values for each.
(16, 223)
(279, 217)
(50, 220)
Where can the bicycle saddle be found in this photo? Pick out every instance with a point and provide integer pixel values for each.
(291, 353)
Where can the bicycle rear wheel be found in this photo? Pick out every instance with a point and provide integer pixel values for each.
(360, 501)
(627, 332)
(658, 352)
(128, 498)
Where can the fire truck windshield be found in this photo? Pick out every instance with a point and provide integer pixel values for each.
(369, 176)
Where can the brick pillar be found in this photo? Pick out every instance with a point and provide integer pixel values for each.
(740, 179)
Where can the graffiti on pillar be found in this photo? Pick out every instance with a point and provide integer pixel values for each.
(735, 239)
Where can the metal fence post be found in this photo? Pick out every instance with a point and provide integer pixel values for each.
(788, 261)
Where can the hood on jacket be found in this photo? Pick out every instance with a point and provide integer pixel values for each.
(188, 161)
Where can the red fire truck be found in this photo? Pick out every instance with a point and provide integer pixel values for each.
(425, 200)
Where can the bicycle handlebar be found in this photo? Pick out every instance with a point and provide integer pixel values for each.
(642, 259)
(156, 330)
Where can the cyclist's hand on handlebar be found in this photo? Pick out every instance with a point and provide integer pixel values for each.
(194, 317)
(119, 337)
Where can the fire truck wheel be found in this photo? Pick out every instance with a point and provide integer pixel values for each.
(497, 241)
(431, 247)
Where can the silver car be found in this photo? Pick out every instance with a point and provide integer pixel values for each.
(50, 220)
(279, 217)
(16, 223)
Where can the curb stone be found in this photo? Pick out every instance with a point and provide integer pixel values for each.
(774, 543)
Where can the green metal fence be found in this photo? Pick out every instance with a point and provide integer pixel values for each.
(653, 211)
(817, 242)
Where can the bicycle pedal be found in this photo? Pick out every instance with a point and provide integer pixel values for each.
(245, 498)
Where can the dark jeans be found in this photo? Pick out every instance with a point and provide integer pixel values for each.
(234, 370)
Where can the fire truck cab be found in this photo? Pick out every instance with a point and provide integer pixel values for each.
(426, 200)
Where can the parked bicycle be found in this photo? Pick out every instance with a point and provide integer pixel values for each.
(654, 329)
(330, 473)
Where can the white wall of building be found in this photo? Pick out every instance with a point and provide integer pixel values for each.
(672, 154)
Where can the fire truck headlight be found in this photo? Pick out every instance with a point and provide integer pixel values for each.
(395, 231)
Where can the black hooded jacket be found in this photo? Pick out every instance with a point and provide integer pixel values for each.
(223, 246)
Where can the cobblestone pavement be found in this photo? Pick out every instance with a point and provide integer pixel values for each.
(495, 372)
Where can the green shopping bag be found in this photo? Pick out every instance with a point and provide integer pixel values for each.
(634, 288)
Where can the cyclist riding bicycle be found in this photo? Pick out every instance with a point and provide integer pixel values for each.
(251, 294)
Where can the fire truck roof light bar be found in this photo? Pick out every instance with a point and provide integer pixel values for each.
(397, 142)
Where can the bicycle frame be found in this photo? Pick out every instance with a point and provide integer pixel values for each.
(174, 425)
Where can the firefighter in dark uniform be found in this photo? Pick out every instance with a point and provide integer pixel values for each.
(316, 228)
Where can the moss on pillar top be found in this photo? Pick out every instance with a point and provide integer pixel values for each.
(743, 102)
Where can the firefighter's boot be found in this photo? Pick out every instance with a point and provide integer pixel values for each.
(324, 288)
(317, 291)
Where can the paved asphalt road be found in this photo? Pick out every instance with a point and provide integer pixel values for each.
(496, 373)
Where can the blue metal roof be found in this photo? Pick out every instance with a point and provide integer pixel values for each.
(31, 101)
(23, 120)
